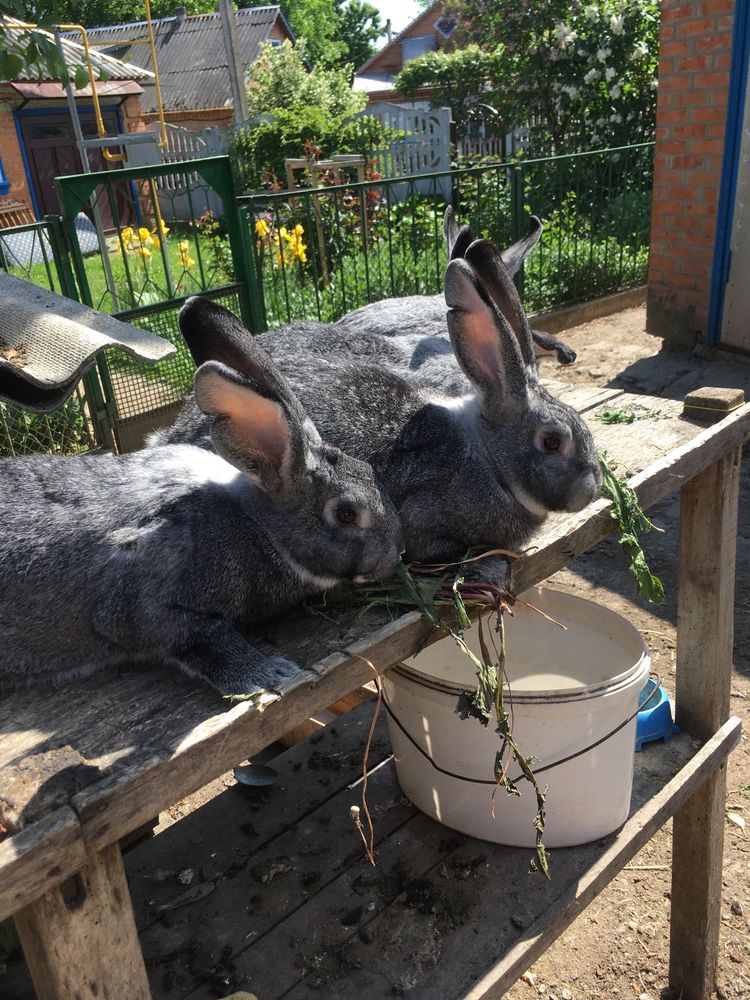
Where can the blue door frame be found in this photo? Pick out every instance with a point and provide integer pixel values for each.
(29, 112)
(729, 168)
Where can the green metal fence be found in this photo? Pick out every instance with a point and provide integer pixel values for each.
(178, 229)
(173, 230)
(320, 253)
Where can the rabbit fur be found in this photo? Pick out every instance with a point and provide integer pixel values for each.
(416, 324)
(479, 468)
(166, 554)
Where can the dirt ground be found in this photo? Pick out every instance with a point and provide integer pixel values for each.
(618, 949)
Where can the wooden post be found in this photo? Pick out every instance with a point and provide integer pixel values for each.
(705, 610)
(80, 939)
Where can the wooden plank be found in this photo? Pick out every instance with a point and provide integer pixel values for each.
(637, 831)
(454, 908)
(145, 786)
(584, 397)
(135, 792)
(36, 859)
(705, 620)
(569, 536)
(270, 885)
(223, 832)
(83, 944)
(171, 735)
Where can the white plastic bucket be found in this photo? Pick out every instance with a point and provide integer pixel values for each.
(568, 690)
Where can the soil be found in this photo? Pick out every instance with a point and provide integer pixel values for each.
(619, 947)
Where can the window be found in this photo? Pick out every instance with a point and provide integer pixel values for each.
(4, 182)
(416, 46)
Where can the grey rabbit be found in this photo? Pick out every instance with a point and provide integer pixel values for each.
(410, 335)
(479, 469)
(417, 322)
(166, 555)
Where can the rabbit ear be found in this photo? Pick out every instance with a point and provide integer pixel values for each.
(514, 256)
(254, 428)
(456, 239)
(450, 229)
(488, 264)
(212, 333)
(483, 341)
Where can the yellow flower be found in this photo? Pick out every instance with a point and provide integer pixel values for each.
(155, 241)
(126, 235)
(185, 259)
(144, 235)
(161, 228)
(261, 229)
(183, 246)
(145, 252)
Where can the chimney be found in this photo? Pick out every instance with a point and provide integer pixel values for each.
(388, 30)
(180, 14)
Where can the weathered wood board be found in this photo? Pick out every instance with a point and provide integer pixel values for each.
(347, 929)
(120, 748)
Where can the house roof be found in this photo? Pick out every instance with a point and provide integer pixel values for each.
(369, 68)
(191, 55)
(14, 39)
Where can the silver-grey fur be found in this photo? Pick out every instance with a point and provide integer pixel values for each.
(464, 468)
(167, 554)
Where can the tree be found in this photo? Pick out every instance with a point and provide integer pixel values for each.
(310, 114)
(358, 28)
(279, 79)
(456, 77)
(580, 75)
(335, 31)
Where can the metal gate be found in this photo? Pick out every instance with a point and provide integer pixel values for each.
(173, 248)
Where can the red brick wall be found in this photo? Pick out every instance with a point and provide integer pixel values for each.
(12, 161)
(694, 59)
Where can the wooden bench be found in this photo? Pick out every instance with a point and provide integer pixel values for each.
(84, 766)
(15, 213)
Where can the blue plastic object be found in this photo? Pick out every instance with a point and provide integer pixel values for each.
(655, 719)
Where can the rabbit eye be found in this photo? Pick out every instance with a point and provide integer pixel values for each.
(346, 514)
(552, 442)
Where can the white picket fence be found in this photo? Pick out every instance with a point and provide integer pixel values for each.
(424, 147)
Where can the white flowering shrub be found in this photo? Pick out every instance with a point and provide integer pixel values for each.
(582, 75)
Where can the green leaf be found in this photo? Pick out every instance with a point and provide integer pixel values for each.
(81, 77)
(11, 66)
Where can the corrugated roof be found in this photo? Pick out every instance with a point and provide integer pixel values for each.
(191, 55)
(14, 39)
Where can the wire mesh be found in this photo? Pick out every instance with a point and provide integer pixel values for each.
(26, 252)
(66, 431)
(138, 391)
(30, 252)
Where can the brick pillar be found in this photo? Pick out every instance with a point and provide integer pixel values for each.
(10, 151)
(694, 58)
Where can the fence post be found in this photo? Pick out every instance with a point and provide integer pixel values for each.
(256, 320)
(217, 172)
(60, 256)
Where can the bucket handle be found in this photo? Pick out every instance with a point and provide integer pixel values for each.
(540, 770)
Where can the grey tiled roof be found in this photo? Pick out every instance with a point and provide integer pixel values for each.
(190, 53)
(14, 40)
